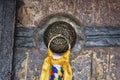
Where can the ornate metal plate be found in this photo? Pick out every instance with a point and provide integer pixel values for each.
(59, 44)
(51, 25)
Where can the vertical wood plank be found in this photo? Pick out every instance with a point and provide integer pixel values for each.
(7, 33)
(29, 60)
(114, 71)
(81, 65)
(1, 17)
(100, 64)
(105, 64)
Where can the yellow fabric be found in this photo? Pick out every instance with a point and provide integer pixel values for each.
(59, 73)
(63, 62)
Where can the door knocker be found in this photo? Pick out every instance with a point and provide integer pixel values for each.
(59, 45)
(61, 37)
(63, 24)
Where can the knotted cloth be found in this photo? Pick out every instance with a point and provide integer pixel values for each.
(49, 70)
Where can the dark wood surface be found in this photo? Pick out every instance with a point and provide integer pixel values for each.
(24, 37)
(7, 22)
(94, 37)
(102, 36)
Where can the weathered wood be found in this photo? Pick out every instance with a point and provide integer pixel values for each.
(102, 31)
(89, 13)
(27, 64)
(24, 42)
(105, 63)
(81, 65)
(114, 12)
(100, 64)
(91, 66)
(24, 32)
(114, 67)
(101, 13)
(1, 18)
(7, 22)
(95, 36)
(102, 36)
(24, 37)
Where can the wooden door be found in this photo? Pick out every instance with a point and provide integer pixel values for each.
(99, 58)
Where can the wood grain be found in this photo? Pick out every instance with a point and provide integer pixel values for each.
(7, 22)
(95, 63)
(88, 12)
(100, 64)
(114, 63)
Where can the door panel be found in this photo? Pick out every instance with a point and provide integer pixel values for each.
(92, 63)
(27, 64)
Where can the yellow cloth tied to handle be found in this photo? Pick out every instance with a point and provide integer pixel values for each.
(63, 61)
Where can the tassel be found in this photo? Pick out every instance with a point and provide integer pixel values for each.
(56, 69)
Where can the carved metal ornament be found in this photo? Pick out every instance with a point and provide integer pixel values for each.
(59, 44)
(65, 25)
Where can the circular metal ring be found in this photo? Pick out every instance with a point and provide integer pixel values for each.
(59, 35)
(59, 44)
(70, 28)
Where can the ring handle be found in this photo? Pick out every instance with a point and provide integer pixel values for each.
(59, 35)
